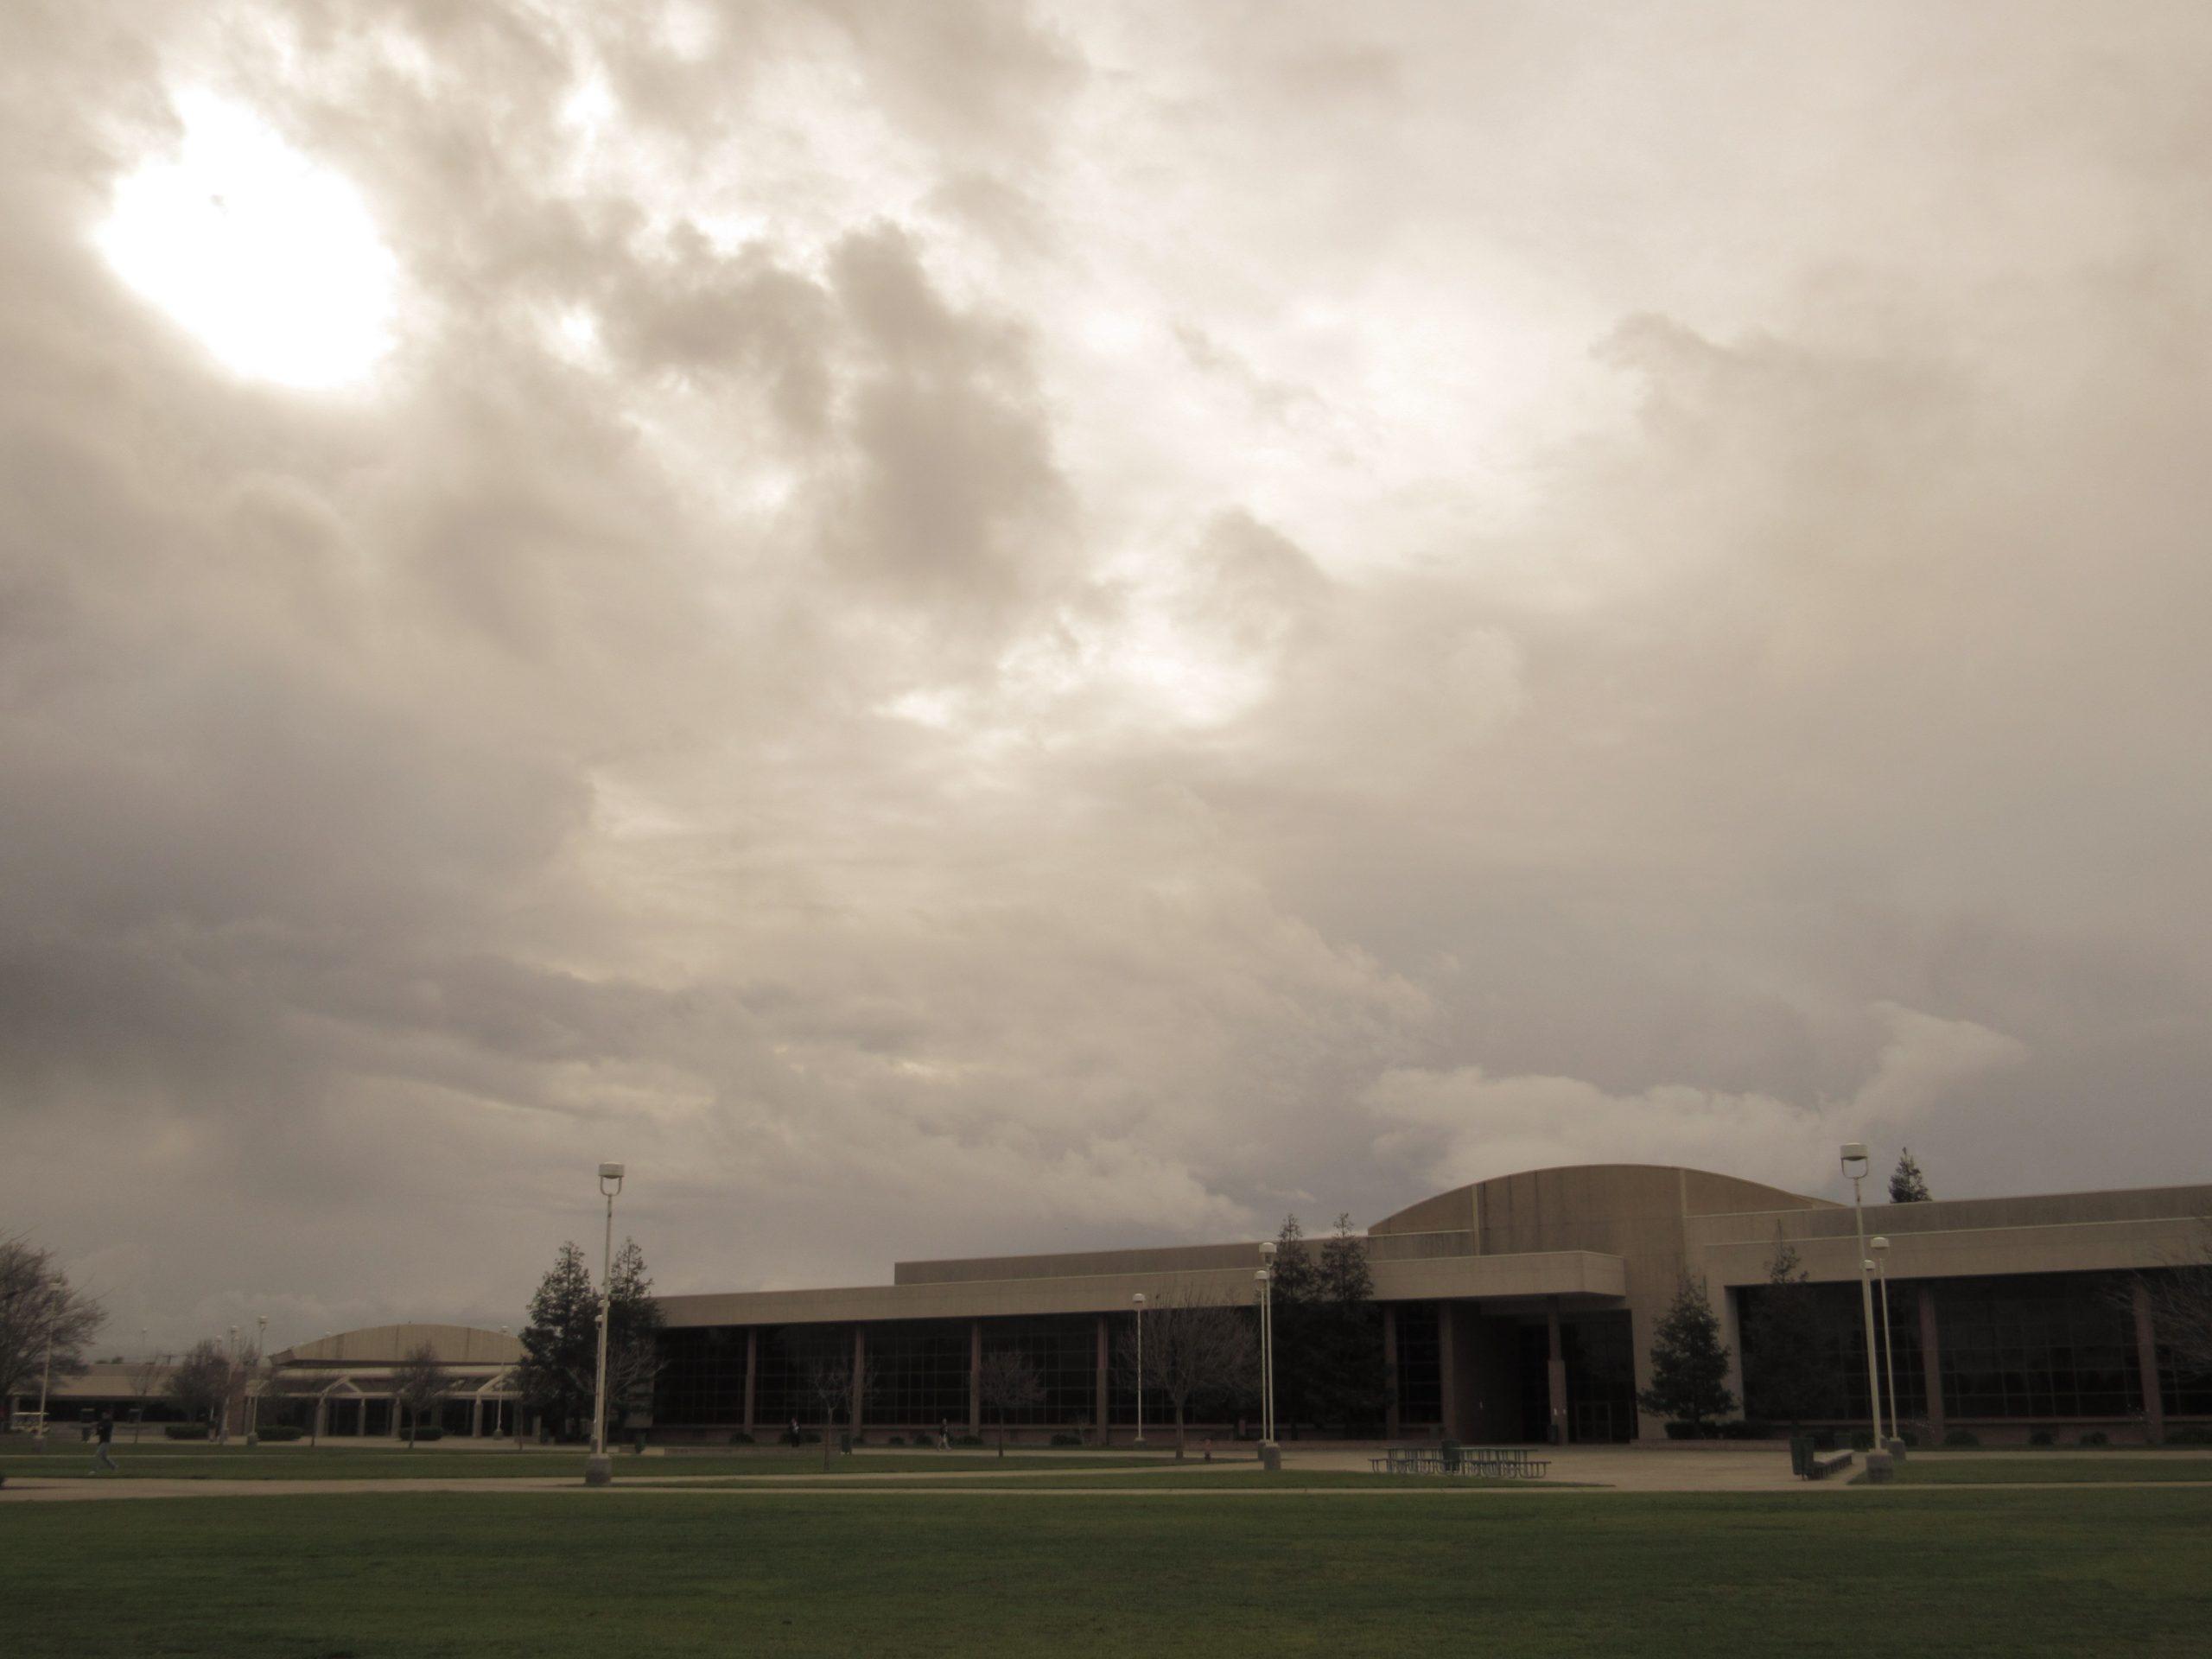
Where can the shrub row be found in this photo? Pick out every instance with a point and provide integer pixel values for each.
(278, 1432)
(184, 1431)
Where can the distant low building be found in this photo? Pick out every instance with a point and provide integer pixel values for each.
(341, 1385)
(338, 1386)
(1515, 1304)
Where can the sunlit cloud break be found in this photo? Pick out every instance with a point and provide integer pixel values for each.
(271, 261)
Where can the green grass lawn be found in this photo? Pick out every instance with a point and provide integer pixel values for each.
(549, 1575)
(2085, 1469)
(171, 1461)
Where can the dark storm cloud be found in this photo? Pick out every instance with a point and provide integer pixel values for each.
(962, 627)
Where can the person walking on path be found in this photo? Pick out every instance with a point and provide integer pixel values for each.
(102, 1435)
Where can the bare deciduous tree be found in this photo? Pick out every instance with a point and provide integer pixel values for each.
(39, 1312)
(146, 1378)
(281, 1388)
(840, 1386)
(418, 1382)
(1191, 1348)
(2180, 1303)
(1007, 1382)
(201, 1382)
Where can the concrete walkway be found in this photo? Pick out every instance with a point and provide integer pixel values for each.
(1752, 1468)
(1731, 1471)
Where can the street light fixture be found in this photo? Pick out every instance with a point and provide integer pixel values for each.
(1881, 1248)
(599, 1470)
(1138, 1300)
(1855, 1171)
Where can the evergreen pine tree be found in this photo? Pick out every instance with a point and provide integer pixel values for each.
(1351, 1384)
(1907, 1184)
(560, 1344)
(1790, 1374)
(560, 1365)
(1689, 1363)
(1295, 1298)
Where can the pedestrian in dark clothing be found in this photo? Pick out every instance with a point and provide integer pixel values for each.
(101, 1436)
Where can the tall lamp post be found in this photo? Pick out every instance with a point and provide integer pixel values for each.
(45, 1377)
(1881, 1248)
(1138, 1300)
(1854, 1169)
(252, 1399)
(599, 1469)
(1268, 1452)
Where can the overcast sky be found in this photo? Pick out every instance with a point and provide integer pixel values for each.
(961, 628)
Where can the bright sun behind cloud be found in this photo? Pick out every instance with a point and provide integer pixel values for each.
(271, 261)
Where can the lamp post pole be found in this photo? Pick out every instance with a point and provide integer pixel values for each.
(1267, 1362)
(1881, 1247)
(45, 1376)
(1139, 1300)
(1855, 1169)
(599, 1469)
(253, 1399)
(1270, 1455)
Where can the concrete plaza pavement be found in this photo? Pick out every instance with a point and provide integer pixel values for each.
(1751, 1469)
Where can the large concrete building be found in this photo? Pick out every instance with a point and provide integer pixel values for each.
(1515, 1309)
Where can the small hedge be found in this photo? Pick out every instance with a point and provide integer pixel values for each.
(2040, 1437)
(896, 1440)
(276, 1433)
(428, 1432)
(2190, 1436)
(2094, 1437)
(1862, 1440)
(1067, 1440)
(738, 1437)
(967, 1439)
(184, 1431)
(1961, 1437)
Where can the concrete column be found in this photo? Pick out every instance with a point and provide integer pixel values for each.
(2146, 1357)
(1556, 1372)
(322, 1413)
(1931, 1362)
(751, 1370)
(1731, 1314)
(1391, 1368)
(1103, 1421)
(859, 1373)
(975, 1376)
(1447, 1362)
(476, 1418)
